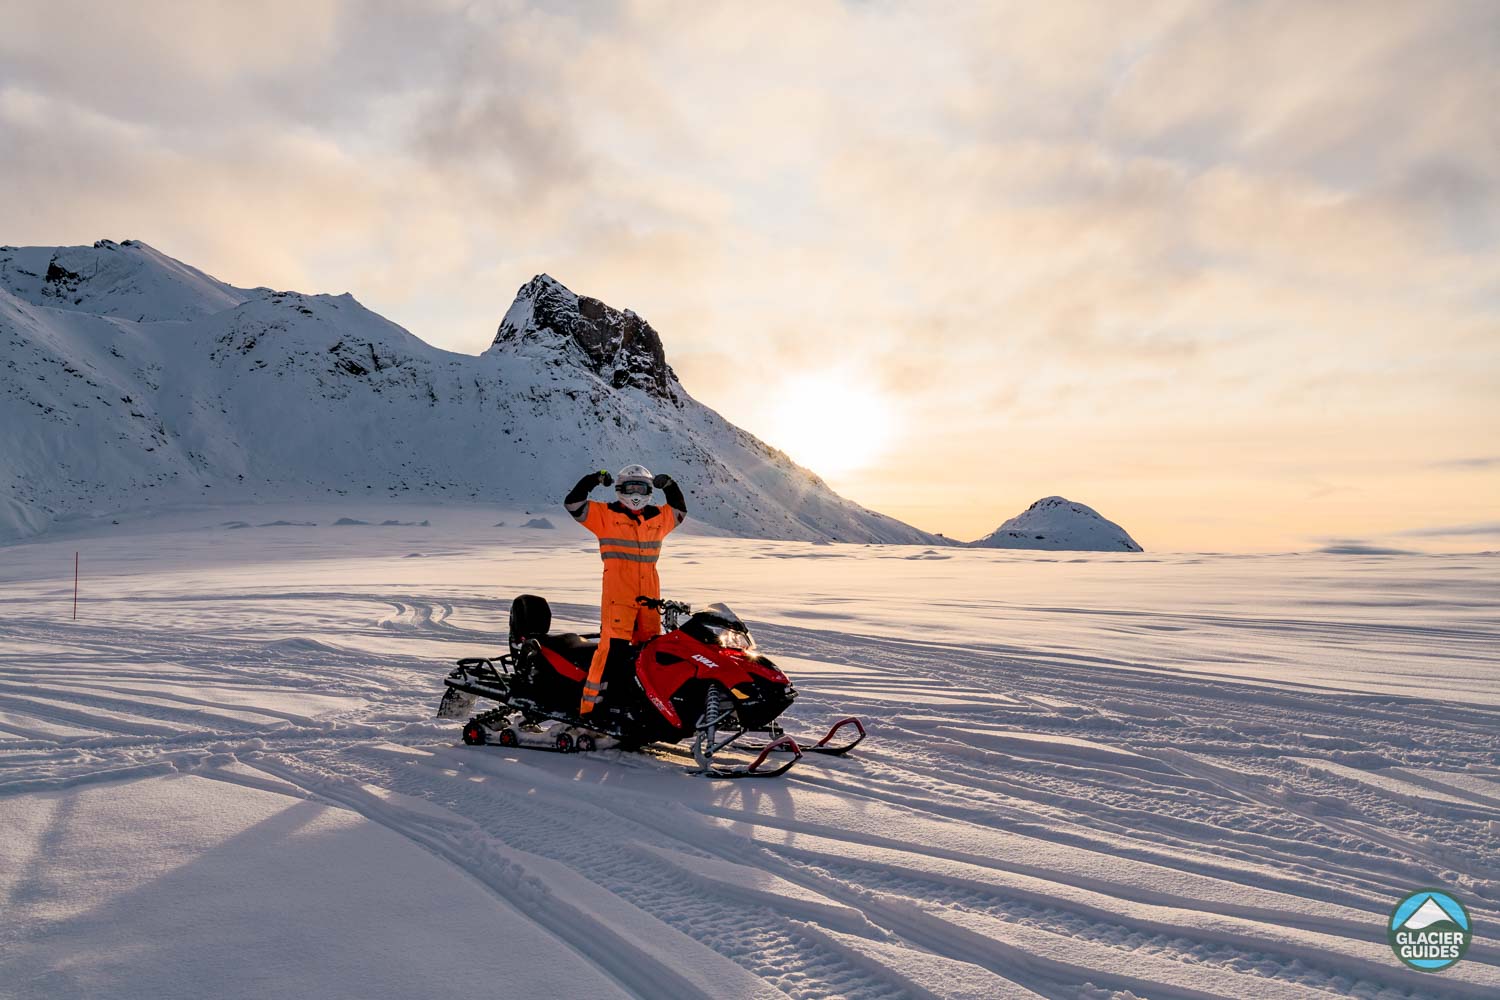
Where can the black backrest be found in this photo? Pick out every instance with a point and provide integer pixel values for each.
(530, 618)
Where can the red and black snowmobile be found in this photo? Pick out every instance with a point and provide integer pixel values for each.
(702, 678)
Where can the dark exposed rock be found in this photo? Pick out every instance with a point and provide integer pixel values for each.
(617, 345)
(57, 275)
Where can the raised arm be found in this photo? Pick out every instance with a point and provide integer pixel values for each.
(577, 500)
(674, 496)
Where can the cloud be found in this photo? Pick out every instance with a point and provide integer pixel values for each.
(1352, 101)
(1476, 462)
(1140, 252)
(1359, 548)
(175, 64)
(1490, 528)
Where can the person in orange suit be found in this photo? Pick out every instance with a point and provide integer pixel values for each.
(630, 532)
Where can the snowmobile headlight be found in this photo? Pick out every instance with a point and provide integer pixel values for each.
(730, 638)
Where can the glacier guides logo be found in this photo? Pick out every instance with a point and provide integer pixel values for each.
(1429, 930)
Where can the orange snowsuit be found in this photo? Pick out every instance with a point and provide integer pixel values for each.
(629, 545)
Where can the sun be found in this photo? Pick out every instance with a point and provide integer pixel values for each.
(832, 423)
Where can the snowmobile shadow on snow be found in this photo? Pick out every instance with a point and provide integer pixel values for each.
(701, 678)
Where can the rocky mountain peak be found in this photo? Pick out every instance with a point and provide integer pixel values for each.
(617, 345)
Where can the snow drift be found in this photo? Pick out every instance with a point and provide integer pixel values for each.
(132, 380)
(1058, 523)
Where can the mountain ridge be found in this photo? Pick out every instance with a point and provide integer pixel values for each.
(134, 377)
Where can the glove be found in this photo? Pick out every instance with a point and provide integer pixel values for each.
(605, 479)
(661, 481)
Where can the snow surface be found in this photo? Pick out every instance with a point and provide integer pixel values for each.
(1059, 523)
(178, 885)
(130, 381)
(1113, 776)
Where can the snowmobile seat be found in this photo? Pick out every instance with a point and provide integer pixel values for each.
(530, 618)
(571, 647)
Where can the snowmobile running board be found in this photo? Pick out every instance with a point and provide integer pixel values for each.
(822, 746)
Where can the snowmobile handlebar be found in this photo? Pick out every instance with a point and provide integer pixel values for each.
(657, 604)
(671, 611)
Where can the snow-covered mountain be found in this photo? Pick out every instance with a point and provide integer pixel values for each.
(130, 379)
(1057, 523)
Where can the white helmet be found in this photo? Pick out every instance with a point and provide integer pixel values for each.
(633, 485)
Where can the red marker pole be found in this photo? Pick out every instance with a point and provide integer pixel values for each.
(75, 586)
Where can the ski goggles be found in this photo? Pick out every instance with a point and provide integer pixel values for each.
(634, 488)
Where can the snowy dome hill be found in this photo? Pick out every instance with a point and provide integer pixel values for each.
(1057, 523)
(130, 379)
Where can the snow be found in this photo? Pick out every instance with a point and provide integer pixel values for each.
(1059, 524)
(1047, 745)
(183, 886)
(126, 280)
(924, 974)
(726, 878)
(1182, 776)
(131, 382)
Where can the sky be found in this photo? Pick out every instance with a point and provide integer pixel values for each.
(1228, 272)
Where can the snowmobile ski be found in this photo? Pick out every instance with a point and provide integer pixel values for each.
(823, 746)
(752, 770)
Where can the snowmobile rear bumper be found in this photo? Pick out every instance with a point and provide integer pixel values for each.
(480, 677)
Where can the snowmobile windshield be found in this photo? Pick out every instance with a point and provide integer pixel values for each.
(718, 626)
